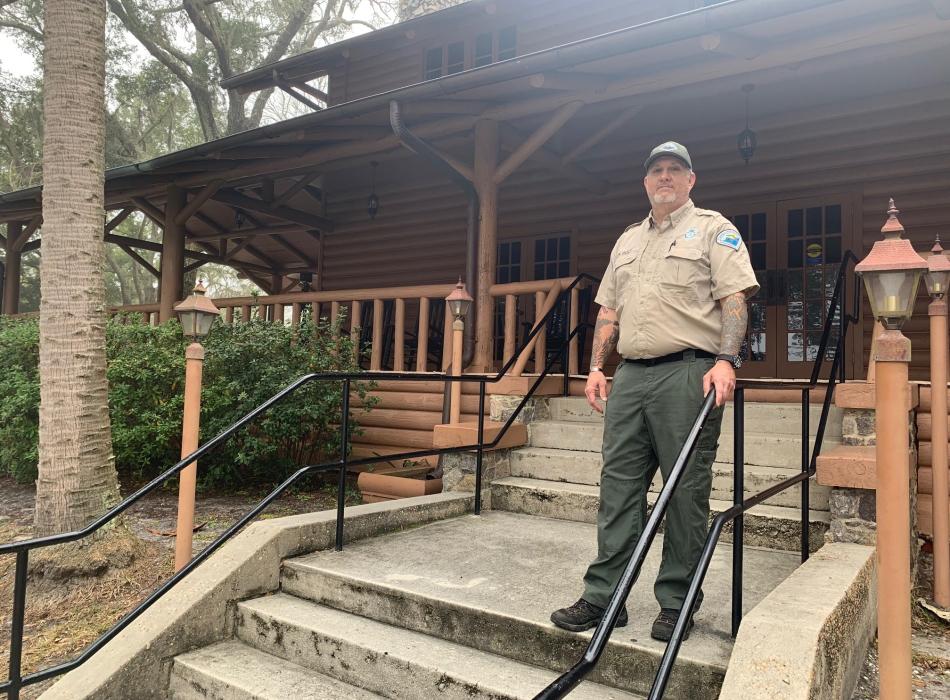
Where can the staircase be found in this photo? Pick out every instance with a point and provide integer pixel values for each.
(558, 474)
(460, 608)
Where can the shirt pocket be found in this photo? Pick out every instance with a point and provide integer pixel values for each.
(685, 272)
(626, 267)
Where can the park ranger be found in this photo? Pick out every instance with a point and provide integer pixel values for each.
(673, 303)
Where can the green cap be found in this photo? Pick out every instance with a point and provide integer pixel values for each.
(669, 148)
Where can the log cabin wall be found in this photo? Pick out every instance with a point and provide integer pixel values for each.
(866, 149)
(380, 66)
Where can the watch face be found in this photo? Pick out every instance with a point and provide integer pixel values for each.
(737, 361)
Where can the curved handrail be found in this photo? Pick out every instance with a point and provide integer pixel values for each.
(568, 680)
(22, 548)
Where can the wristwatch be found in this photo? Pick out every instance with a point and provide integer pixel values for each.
(596, 369)
(734, 360)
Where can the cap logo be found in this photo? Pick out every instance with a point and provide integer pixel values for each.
(668, 146)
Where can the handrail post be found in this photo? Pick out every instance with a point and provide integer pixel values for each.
(806, 466)
(341, 485)
(738, 495)
(481, 446)
(16, 624)
(565, 350)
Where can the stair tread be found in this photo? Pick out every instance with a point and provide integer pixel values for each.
(715, 506)
(589, 425)
(523, 569)
(248, 673)
(491, 673)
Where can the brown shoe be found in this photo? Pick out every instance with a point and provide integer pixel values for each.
(665, 622)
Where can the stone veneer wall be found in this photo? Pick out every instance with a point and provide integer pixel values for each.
(415, 8)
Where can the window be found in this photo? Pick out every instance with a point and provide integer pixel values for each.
(552, 257)
(506, 43)
(433, 67)
(456, 58)
(486, 48)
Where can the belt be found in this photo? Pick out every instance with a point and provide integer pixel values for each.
(672, 357)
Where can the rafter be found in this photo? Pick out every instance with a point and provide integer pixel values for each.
(292, 191)
(130, 251)
(236, 199)
(27, 231)
(290, 247)
(512, 138)
(198, 201)
(536, 140)
(599, 135)
(249, 232)
(118, 219)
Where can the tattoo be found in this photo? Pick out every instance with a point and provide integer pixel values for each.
(606, 333)
(735, 321)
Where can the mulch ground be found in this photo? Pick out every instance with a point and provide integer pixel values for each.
(64, 617)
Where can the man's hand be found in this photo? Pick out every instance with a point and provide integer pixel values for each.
(596, 387)
(722, 376)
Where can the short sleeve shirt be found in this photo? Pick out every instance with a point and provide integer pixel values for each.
(664, 280)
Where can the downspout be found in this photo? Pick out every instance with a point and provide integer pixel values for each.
(420, 147)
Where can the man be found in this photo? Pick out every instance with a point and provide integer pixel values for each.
(673, 302)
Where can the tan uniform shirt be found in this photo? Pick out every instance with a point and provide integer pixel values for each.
(664, 279)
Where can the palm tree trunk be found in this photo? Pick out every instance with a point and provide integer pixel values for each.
(77, 478)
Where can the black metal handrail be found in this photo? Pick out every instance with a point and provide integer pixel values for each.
(568, 680)
(16, 681)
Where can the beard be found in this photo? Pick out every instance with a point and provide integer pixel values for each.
(664, 198)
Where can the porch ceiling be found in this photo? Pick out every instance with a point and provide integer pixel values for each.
(266, 203)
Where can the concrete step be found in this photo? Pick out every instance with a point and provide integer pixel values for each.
(782, 418)
(234, 671)
(391, 660)
(766, 525)
(490, 582)
(581, 467)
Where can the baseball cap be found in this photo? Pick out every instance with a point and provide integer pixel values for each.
(669, 148)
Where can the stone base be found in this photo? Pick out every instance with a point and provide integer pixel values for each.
(458, 470)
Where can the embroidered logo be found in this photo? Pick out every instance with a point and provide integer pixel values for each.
(730, 239)
(690, 235)
(668, 146)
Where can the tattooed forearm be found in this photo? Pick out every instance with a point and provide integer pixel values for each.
(735, 321)
(606, 332)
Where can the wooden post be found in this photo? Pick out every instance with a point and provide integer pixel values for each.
(455, 407)
(194, 358)
(422, 347)
(399, 336)
(447, 339)
(355, 308)
(334, 312)
(229, 315)
(540, 345)
(173, 255)
(295, 314)
(486, 162)
(11, 276)
(511, 326)
(376, 352)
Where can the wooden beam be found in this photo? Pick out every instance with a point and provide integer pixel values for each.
(32, 245)
(347, 133)
(130, 251)
(20, 241)
(511, 138)
(291, 191)
(274, 150)
(599, 135)
(536, 140)
(249, 232)
(195, 265)
(154, 246)
(290, 247)
(732, 44)
(463, 169)
(236, 199)
(312, 91)
(118, 219)
(314, 192)
(198, 201)
(289, 89)
(557, 80)
(150, 210)
(240, 244)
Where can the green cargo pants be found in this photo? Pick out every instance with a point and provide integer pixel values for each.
(650, 411)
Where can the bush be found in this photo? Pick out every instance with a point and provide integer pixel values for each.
(245, 364)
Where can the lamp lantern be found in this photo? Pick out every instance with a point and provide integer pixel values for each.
(937, 276)
(459, 301)
(197, 313)
(891, 274)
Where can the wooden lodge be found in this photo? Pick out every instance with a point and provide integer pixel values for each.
(539, 114)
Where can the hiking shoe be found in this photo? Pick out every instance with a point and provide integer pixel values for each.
(665, 622)
(583, 616)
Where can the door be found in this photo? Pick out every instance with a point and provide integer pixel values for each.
(813, 234)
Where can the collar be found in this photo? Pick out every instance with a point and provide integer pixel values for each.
(675, 217)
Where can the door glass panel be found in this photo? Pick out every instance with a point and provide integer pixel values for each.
(759, 226)
(796, 225)
(813, 221)
(814, 314)
(833, 249)
(795, 253)
(833, 219)
(795, 315)
(795, 285)
(552, 257)
(752, 226)
(795, 350)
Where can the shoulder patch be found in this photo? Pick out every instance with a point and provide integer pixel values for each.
(729, 238)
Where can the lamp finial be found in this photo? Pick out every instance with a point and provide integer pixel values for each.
(892, 227)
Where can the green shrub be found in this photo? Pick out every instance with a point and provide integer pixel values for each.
(245, 364)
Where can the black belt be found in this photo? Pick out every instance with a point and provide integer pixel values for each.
(672, 357)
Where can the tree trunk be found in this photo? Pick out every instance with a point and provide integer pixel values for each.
(77, 478)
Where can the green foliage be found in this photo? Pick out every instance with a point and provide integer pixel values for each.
(245, 364)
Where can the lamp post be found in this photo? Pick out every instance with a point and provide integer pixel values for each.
(196, 313)
(459, 301)
(891, 274)
(937, 279)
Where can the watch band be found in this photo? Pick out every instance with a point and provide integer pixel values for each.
(733, 360)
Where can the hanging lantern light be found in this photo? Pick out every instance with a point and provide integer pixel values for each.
(372, 204)
(747, 140)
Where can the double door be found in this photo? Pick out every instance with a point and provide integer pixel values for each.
(796, 247)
